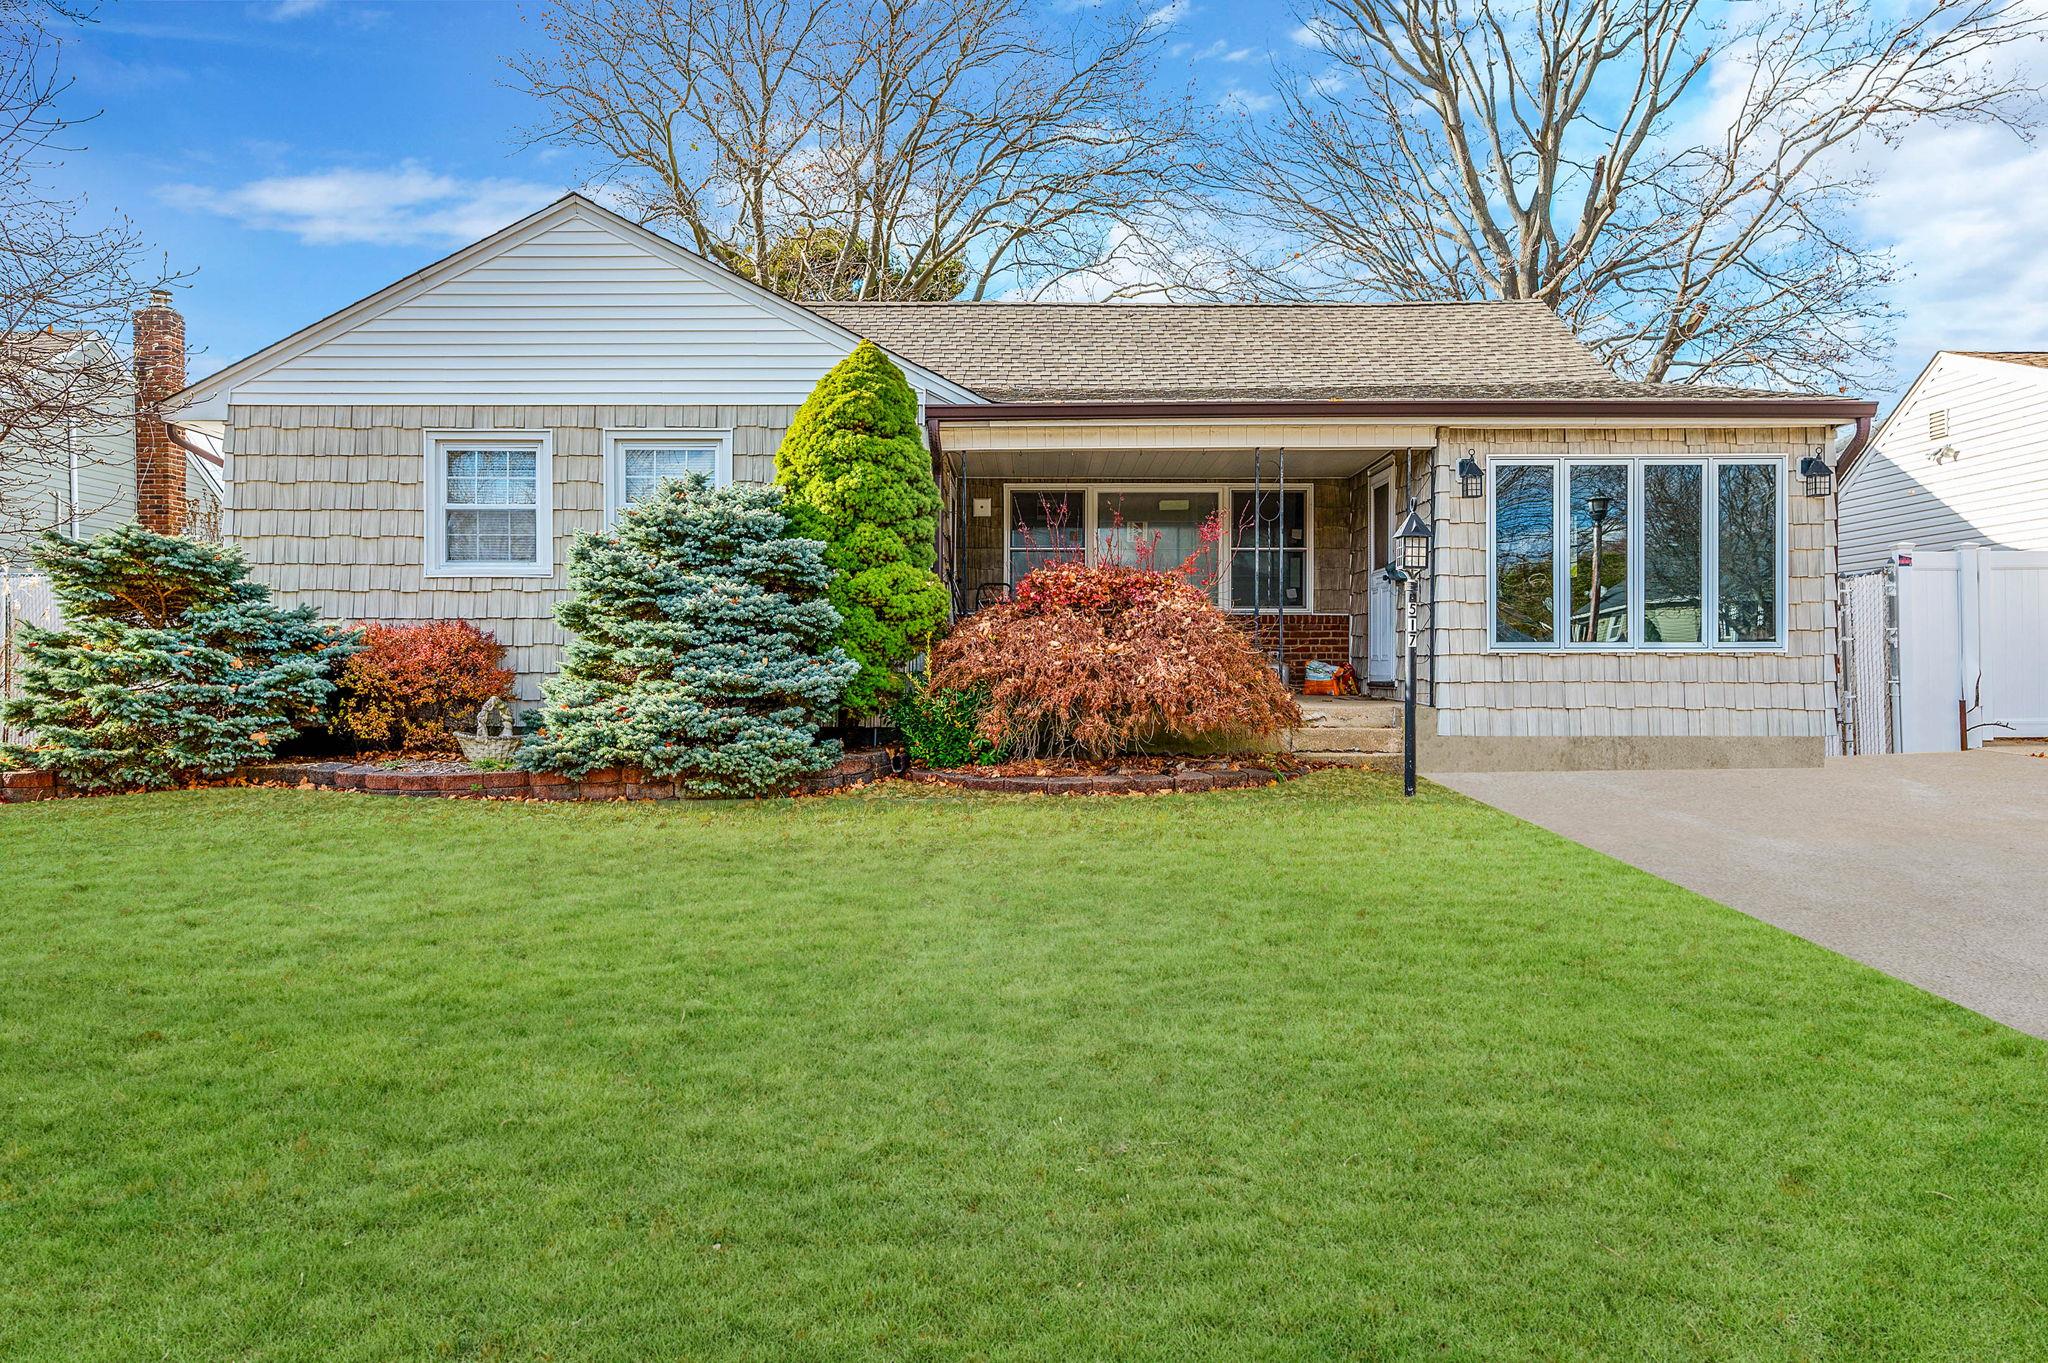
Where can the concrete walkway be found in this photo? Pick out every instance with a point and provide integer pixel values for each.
(1931, 867)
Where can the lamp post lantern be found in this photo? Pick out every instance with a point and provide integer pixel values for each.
(1412, 539)
(1597, 508)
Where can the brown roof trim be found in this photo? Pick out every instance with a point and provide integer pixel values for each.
(1789, 407)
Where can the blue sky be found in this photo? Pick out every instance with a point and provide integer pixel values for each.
(299, 154)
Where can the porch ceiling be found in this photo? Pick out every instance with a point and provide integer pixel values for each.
(1174, 465)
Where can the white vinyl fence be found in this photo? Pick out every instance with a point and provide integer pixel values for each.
(1956, 640)
(23, 597)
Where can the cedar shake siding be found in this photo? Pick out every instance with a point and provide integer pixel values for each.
(330, 508)
(1500, 710)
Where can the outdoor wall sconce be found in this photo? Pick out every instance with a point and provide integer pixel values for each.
(1471, 478)
(1820, 479)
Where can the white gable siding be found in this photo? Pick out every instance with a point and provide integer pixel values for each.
(1993, 492)
(575, 314)
(571, 306)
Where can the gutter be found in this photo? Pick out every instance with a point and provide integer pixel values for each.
(184, 442)
(1853, 451)
(1433, 410)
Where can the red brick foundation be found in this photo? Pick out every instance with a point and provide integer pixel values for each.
(1318, 636)
(616, 784)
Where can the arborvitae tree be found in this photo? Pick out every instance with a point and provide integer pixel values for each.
(171, 664)
(704, 650)
(860, 479)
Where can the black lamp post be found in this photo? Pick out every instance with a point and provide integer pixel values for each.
(1412, 542)
(1597, 507)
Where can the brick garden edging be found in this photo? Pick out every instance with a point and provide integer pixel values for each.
(1105, 783)
(613, 784)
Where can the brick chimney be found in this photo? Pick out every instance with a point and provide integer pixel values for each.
(159, 372)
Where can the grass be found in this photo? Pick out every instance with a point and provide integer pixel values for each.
(1300, 1073)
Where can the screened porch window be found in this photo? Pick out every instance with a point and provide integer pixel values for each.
(1158, 529)
(1269, 550)
(1046, 526)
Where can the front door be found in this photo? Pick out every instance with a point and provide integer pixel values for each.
(1380, 601)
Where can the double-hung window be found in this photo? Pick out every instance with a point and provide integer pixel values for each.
(1654, 553)
(637, 462)
(489, 504)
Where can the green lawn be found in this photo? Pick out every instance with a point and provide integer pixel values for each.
(1302, 1073)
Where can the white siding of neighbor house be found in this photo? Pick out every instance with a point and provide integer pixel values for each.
(1639, 694)
(106, 490)
(1993, 492)
(570, 306)
(329, 507)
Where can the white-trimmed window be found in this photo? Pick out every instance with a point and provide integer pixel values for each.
(490, 504)
(1265, 563)
(635, 462)
(1655, 553)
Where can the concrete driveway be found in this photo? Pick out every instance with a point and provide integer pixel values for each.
(1931, 867)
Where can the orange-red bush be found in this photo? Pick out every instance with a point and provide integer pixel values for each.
(1098, 660)
(410, 683)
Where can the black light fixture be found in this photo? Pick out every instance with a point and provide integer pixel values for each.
(1471, 477)
(1413, 539)
(1597, 507)
(1820, 479)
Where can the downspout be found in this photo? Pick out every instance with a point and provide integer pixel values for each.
(71, 467)
(1852, 451)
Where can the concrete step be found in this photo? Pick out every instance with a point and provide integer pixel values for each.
(1346, 712)
(1370, 761)
(1350, 738)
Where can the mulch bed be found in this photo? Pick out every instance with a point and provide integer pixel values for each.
(1118, 775)
(446, 778)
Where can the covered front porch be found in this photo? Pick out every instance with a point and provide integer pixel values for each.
(1286, 524)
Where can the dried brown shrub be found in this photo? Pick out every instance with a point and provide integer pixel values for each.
(1098, 660)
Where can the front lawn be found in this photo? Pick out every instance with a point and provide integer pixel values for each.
(1300, 1073)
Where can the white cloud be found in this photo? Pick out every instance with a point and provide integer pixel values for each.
(1320, 34)
(401, 206)
(1961, 208)
(284, 11)
(1220, 50)
(1328, 83)
(1243, 101)
(1168, 14)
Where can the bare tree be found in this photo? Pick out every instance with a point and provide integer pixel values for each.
(66, 286)
(871, 148)
(1672, 176)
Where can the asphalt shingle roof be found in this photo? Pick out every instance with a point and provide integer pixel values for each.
(1012, 352)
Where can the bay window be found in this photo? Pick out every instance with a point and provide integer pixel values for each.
(1655, 553)
(489, 505)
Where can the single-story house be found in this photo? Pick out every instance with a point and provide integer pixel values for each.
(1962, 459)
(427, 452)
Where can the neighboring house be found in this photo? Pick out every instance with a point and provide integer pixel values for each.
(429, 451)
(1962, 459)
(92, 486)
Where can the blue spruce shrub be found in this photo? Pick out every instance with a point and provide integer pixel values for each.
(704, 649)
(171, 664)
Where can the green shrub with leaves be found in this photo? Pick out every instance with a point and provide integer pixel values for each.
(859, 478)
(171, 664)
(941, 725)
(704, 649)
